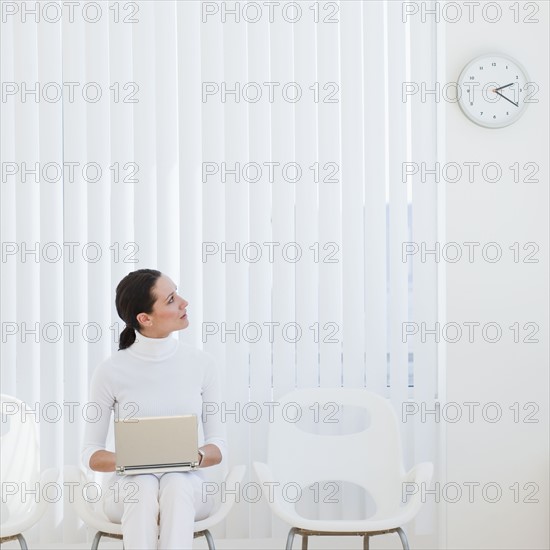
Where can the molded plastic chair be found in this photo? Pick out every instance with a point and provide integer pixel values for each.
(371, 458)
(106, 528)
(20, 472)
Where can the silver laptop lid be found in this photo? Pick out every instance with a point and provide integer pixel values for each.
(156, 441)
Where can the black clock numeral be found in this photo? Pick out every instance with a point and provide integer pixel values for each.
(481, 113)
(494, 116)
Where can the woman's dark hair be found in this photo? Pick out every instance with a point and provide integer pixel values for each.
(134, 295)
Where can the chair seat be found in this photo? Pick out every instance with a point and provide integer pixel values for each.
(335, 526)
(22, 522)
(105, 527)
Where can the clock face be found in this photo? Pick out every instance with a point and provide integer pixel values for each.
(492, 90)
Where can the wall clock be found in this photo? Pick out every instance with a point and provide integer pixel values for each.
(493, 89)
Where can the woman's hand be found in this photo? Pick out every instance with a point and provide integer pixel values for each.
(103, 461)
(212, 456)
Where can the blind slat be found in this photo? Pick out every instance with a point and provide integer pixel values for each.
(398, 208)
(375, 198)
(236, 270)
(261, 276)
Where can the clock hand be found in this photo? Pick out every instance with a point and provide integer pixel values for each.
(502, 87)
(512, 102)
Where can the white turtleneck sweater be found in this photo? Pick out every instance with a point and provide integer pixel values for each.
(155, 377)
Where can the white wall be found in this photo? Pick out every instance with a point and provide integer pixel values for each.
(504, 292)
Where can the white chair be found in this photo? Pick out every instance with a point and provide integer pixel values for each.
(370, 458)
(20, 472)
(106, 528)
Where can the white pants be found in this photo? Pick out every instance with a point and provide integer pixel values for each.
(157, 509)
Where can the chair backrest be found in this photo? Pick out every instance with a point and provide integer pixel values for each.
(19, 457)
(370, 456)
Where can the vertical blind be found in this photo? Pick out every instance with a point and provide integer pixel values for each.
(256, 157)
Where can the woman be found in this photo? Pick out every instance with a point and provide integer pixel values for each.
(153, 374)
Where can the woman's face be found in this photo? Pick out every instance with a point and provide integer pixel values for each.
(169, 311)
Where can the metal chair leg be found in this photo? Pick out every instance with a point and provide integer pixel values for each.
(304, 542)
(22, 542)
(403, 538)
(95, 542)
(209, 540)
(290, 538)
(366, 542)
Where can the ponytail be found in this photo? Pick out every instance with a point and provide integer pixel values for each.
(134, 295)
(127, 337)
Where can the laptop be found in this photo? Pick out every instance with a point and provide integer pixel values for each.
(156, 444)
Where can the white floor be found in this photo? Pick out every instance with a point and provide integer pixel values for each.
(383, 542)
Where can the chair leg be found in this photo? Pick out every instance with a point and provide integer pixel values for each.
(366, 542)
(304, 542)
(209, 540)
(95, 542)
(22, 542)
(290, 538)
(403, 538)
